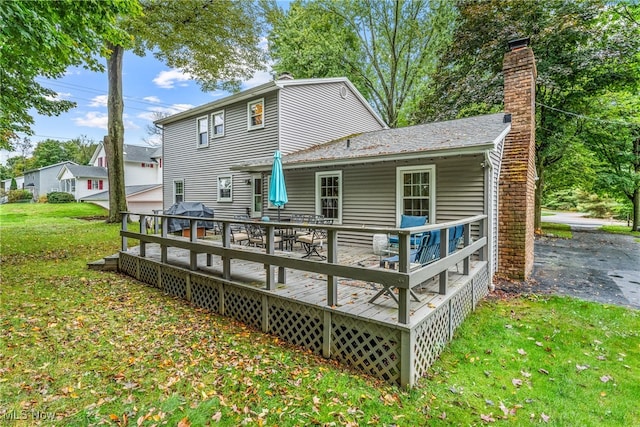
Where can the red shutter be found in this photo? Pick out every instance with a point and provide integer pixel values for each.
(142, 164)
(100, 184)
(89, 184)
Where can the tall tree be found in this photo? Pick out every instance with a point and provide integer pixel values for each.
(582, 48)
(386, 47)
(49, 152)
(615, 139)
(43, 38)
(215, 42)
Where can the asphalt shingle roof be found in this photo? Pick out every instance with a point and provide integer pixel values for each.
(129, 190)
(469, 133)
(80, 171)
(138, 153)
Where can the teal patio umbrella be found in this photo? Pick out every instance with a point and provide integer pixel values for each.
(277, 188)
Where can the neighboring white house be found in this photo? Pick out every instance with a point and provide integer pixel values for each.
(142, 177)
(43, 180)
(6, 184)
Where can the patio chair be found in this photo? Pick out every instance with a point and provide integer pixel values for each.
(407, 221)
(238, 231)
(257, 236)
(314, 240)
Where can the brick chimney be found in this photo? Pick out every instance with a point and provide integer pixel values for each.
(518, 171)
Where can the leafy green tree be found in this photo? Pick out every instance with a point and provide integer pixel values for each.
(387, 48)
(583, 48)
(49, 152)
(616, 141)
(14, 184)
(43, 38)
(80, 149)
(216, 42)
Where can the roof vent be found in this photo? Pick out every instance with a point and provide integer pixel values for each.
(348, 143)
(506, 118)
(285, 76)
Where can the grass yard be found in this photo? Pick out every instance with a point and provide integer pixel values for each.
(79, 347)
(551, 229)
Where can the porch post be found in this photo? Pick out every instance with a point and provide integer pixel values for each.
(407, 358)
(163, 248)
(143, 230)
(193, 264)
(332, 258)
(226, 242)
(271, 282)
(124, 243)
(444, 251)
(466, 264)
(404, 296)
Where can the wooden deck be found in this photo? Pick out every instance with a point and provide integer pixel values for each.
(328, 315)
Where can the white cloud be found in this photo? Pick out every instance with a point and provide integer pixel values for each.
(59, 96)
(93, 119)
(99, 101)
(260, 77)
(168, 79)
(173, 109)
(153, 99)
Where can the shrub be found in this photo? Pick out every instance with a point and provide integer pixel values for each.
(42, 198)
(18, 196)
(60, 197)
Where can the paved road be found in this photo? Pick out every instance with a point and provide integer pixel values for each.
(593, 265)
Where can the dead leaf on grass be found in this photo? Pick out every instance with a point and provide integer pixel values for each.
(516, 382)
(522, 352)
(487, 418)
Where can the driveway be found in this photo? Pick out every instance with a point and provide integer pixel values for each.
(594, 266)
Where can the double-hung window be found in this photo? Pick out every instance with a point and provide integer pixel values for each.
(217, 119)
(203, 132)
(416, 191)
(255, 112)
(178, 191)
(225, 188)
(329, 195)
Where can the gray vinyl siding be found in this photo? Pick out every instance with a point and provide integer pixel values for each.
(369, 191)
(200, 167)
(317, 113)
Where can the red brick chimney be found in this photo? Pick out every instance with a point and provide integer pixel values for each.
(518, 171)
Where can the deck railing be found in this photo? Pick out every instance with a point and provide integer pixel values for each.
(403, 279)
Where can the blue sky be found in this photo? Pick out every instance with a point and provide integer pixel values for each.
(148, 86)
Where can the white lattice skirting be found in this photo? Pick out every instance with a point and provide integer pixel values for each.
(399, 354)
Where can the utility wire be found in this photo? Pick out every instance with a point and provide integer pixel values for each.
(593, 119)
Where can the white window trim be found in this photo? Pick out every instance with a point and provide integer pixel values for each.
(249, 104)
(198, 131)
(340, 198)
(432, 189)
(224, 199)
(255, 213)
(174, 189)
(213, 124)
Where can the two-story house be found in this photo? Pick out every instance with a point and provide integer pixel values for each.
(142, 177)
(202, 145)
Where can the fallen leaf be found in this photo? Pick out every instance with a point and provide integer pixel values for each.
(545, 417)
(516, 382)
(522, 352)
(217, 416)
(525, 374)
(443, 416)
(605, 378)
(543, 371)
(184, 422)
(487, 418)
(504, 409)
(581, 368)
(538, 343)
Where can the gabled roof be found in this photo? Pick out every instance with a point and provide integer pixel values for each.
(469, 135)
(79, 171)
(133, 153)
(264, 89)
(139, 153)
(130, 190)
(66, 162)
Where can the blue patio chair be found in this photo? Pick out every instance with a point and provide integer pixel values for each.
(407, 221)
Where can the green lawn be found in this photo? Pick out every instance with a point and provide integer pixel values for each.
(102, 349)
(551, 229)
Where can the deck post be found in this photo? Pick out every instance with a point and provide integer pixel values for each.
(226, 242)
(163, 248)
(332, 258)
(326, 335)
(193, 255)
(483, 233)
(466, 263)
(407, 358)
(404, 296)
(143, 230)
(444, 252)
(187, 286)
(271, 280)
(265, 314)
(125, 219)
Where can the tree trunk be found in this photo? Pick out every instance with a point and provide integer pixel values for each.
(114, 142)
(636, 210)
(537, 220)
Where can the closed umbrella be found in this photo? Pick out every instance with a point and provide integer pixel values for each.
(277, 187)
